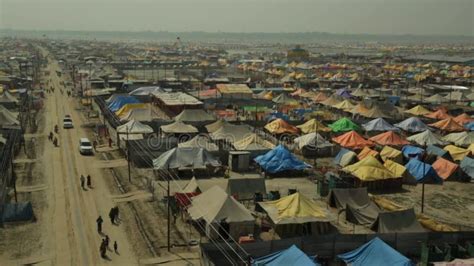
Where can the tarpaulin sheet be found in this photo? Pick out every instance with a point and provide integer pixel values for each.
(369, 169)
(358, 207)
(345, 157)
(185, 158)
(344, 124)
(280, 126)
(120, 101)
(378, 124)
(412, 151)
(352, 140)
(467, 165)
(290, 256)
(426, 138)
(448, 125)
(422, 172)
(280, 159)
(403, 221)
(389, 138)
(444, 168)
(412, 124)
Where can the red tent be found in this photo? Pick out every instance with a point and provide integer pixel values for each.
(352, 140)
(389, 138)
(438, 114)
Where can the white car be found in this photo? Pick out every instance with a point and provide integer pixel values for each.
(67, 122)
(85, 147)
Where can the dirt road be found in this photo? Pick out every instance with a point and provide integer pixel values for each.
(73, 232)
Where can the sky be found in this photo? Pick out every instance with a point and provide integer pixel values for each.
(419, 17)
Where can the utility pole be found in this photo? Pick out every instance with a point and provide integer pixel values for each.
(13, 171)
(169, 210)
(128, 158)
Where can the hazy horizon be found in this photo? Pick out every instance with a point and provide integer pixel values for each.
(373, 17)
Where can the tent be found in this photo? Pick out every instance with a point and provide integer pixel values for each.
(332, 100)
(145, 91)
(422, 172)
(6, 119)
(469, 126)
(313, 140)
(320, 97)
(120, 101)
(134, 127)
(178, 127)
(379, 124)
(232, 133)
(216, 125)
(418, 111)
(435, 98)
(185, 158)
(313, 125)
(412, 124)
(448, 125)
(345, 157)
(183, 198)
(292, 256)
(389, 153)
(426, 138)
(17, 212)
(357, 204)
(345, 105)
(344, 124)
(280, 126)
(139, 114)
(457, 153)
(199, 141)
(215, 206)
(245, 188)
(374, 112)
(253, 143)
(467, 166)
(444, 168)
(462, 139)
(6, 97)
(403, 221)
(437, 152)
(438, 114)
(352, 140)
(280, 159)
(412, 151)
(389, 138)
(191, 186)
(396, 168)
(463, 119)
(369, 169)
(124, 110)
(284, 99)
(374, 253)
(366, 151)
(194, 116)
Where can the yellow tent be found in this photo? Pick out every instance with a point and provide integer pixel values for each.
(345, 105)
(396, 168)
(389, 153)
(253, 142)
(471, 148)
(268, 96)
(126, 108)
(313, 125)
(369, 169)
(366, 151)
(418, 110)
(457, 153)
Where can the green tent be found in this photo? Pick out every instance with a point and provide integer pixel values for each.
(344, 124)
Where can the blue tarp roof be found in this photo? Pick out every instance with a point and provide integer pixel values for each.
(375, 253)
(412, 151)
(275, 115)
(422, 172)
(412, 124)
(340, 155)
(290, 256)
(435, 150)
(344, 93)
(120, 101)
(379, 124)
(467, 165)
(17, 212)
(301, 112)
(280, 159)
(469, 126)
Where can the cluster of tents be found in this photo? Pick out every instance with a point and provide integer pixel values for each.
(127, 107)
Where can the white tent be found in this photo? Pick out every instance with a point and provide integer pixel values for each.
(426, 138)
(200, 141)
(134, 127)
(312, 139)
(178, 128)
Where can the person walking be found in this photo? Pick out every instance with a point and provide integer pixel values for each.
(83, 181)
(103, 249)
(89, 182)
(112, 215)
(116, 214)
(107, 241)
(110, 142)
(99, 222)
(115, 247)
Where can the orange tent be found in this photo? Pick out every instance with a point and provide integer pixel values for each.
(438, 114)
(444, 168)
(366, 151)
(389, 138)
(463, 119)
(352, 140)
(280, 126)
(448, 125)
(320, 97)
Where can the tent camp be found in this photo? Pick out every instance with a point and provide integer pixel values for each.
(448, 125)
(358, 207)
(200, 141)
(457, 153)
(245, 188)
(178, 127)
(280, 126)
(389, 138)
(426, 138)
(194, 116)
(403, 221)
(375, 252)
(313, 140)
(284, 99)
(352, 140)
(412, 124)
(389, 153)
(378, 124)
(345, 105)
(345, 157)
(369, 169)
(185, 158)
(313, 125)
(343, 125)
(418, 111)
(292, 256)
(462, 139)
(444, 168)
(422, 172)
(280, 159)
(297, 215)
(232, 133)
(215, 207)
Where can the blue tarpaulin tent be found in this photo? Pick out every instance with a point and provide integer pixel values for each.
(435, 150)
(412, 151)
(290, 256)
(120, 101)
(375, 253)
(280, 159)
(301, 112)
(17, 212)
(467, 166)
(344, 93)
(379, 124)
(422, 172)
(412, 124)
(275, 115)
(469, 126)
(345, 157)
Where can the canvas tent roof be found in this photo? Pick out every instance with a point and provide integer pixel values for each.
(448, 125)
(444, 168)
(199, 141)
(345, 157)
(7, 112)
(231, 133)
(212, 127)
(6, 97)
(418, 110)
(462, 139)
(389, 138)
(403, 221)
(176, 98)
(359, 208)
(191, 187)
(467, 165)
(233, 89)
(313, 125)
(366, 151)
(375, 252)
(295, 209)
(185, 158)
(438, 114)
(178, 127)
(194, 115)
(412, 124)
(214, 205)
(463, 119)
(124, 110)
(145, 91)
(435, 98)
(456, 153)
(280, 126)
(120, 101)
(369, 169)
(134, 127)
(312, 139)
(7, 119)
(422, 172)
(344, 124)
(352, 140)
(391, 153)
(394, 167)
(139, 114)
(284, 99)
(375, 112)
(332, 100)
(345, 105)
(290, 256)
(280, 159)
(245, 188)
(426, 138)
(410, 151)
(253, 143)
(378, 124)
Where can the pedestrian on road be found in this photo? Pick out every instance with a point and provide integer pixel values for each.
(83, 181)
(99, 222)
(55, 142)
(112, 215)
(50, 137)
(116, 214)
(115, 247)
(103, 249)
(94, 144)
(107, 241)
(89, 183)
(110, 142)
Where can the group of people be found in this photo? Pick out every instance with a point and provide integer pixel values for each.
(52, 137)
(104, 246)
(84, 180)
